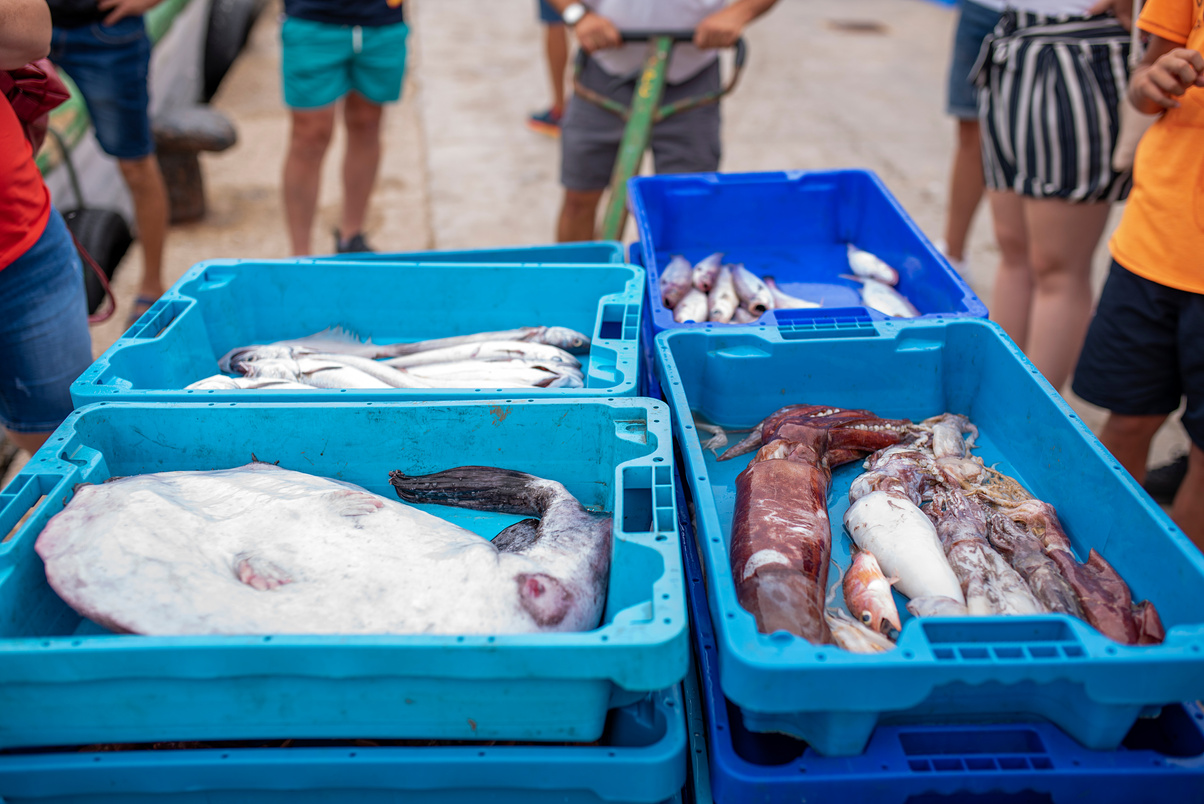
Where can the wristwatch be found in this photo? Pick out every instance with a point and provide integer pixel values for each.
(573, 14)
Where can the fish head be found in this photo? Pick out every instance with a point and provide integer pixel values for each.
(867, 593)
(546, 599)
(236, 360)
(567, 339)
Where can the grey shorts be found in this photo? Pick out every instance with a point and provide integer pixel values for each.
(590, 135)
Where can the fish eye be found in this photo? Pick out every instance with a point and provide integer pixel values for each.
(866, 617)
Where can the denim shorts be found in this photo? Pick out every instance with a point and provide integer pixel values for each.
(549, 15)
(44, 340)
(322, 62)
(111, 65)
(973, 25)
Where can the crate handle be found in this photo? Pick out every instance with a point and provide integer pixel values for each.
(930, 749)
(25, 504)
(1002, 639)
(619, 322)
(157, 319)
(645, 500)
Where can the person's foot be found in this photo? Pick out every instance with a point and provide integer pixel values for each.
(546, 122)
(141, 305)
(1162, 482)
(959, 264)
(351, 245)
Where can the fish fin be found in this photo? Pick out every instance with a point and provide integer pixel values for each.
(517, 537)
(351, 503)
(544, 598)
(481, 488)
(259, 573)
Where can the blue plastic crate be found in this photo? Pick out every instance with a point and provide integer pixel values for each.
(649, 385)
(1161, 759)
(222, 304)
(1053, 666)
(63, 681)
(591, 253)
(641, 759)
(793, 225)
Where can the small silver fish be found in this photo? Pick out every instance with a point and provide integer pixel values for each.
(884, 298)
(706, 271)
(870, 266)
(752, 291)
(486, 351)
(318, 373)
(783, 300)
(220, 382)
(676, 280)
(722, 299)
(692, 307)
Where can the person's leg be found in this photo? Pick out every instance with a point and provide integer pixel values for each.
(690, 142)
(1062, 241)
(1128, 439)
(556, 43)
(1013, 289)
(589, 143)
(966, 187)
(362, 119)
(151, 214)
(578, 215)
(1188, 508)
(308, 141)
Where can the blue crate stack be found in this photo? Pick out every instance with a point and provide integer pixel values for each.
(981, 709)
(599, 715)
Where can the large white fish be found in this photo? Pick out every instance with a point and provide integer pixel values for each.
(498, 374)
(676, 280)
(264, 550)
(487, 351)
(308, 370)
(752, 291)
(870, 266)
(722, 301)
(706, 271)
(220, 382)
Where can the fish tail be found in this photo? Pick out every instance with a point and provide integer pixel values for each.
(481, 488)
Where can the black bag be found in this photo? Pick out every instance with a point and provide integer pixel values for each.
(75, 13)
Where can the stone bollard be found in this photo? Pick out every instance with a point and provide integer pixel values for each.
(180, 134)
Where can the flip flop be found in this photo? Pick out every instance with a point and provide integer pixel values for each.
(141, 305)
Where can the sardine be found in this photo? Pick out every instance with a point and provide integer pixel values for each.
(752, 291)
(265, 550)
(870, 266)
(706, 271)
(487, 351)
(692, 307)
(783, 300)
(867, 594)
(676, 280)
(885, 299)
(722, 299)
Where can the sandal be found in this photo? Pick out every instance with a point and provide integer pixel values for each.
(141, 305)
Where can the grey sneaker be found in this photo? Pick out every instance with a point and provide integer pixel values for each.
(354, 244)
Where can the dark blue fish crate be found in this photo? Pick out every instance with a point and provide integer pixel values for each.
(640, 759)
(66, 681)
(979, 669)
(224, 304)
(1161, 759)
(794, 226)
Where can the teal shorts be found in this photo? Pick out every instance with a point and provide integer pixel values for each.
(322, 62)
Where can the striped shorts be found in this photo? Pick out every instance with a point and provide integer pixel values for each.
(1048, 104)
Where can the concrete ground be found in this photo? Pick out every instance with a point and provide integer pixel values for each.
(829, 84)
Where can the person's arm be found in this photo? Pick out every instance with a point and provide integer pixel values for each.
(120, 9)
(593, 31)
(724, 27)
(24, 32)
(1166, 71)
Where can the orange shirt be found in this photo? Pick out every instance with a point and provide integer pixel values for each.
(1161, 236)
(24, 200)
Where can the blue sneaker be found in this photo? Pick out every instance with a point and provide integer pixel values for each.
(546, 122)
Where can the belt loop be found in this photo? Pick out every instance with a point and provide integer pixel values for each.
(357, 38)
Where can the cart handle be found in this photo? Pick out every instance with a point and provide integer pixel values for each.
(670, 109)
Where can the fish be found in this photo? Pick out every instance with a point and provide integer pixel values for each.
(743, 316)
(783, 300)
(867, 594)
(884, 298)
(318, 373)
(220, 382)
(722, 300)
(706, 272)
(259, 549)
(752, 291)
(569, 340)
(692, 307)
(870, 266)
(676, 280)
(854, 636)
(487, 351)
(496, 373)
(905, 543)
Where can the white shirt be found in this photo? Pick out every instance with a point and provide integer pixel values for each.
(655, 15)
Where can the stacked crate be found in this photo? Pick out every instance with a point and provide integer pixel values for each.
(592, 716)
(1039, 708)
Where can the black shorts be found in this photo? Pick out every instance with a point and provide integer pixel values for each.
(1145, 351)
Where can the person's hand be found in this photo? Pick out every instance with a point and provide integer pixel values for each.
(720, 29)
(1121, 9)
(120, 9)
(595, 32)
(1166, 79)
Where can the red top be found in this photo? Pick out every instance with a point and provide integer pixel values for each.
(24, 199)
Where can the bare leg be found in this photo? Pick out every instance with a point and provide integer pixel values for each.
(1188, 508)
(1013, 282)
(578, 215)
(307, 146)
(30, 442)
(556, 38)
(1062, 241)
(966, 187)
(1128, 439)
(362, 118)
(151, 214)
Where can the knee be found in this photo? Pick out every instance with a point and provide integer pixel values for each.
(141, 173)
(310, 138)
(362, 118)
(1013, 244)
(1131, 430)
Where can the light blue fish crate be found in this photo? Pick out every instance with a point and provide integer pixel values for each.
(63, 681)
(640, 759)
(220, 305)
(977, 669)
(598, 252)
